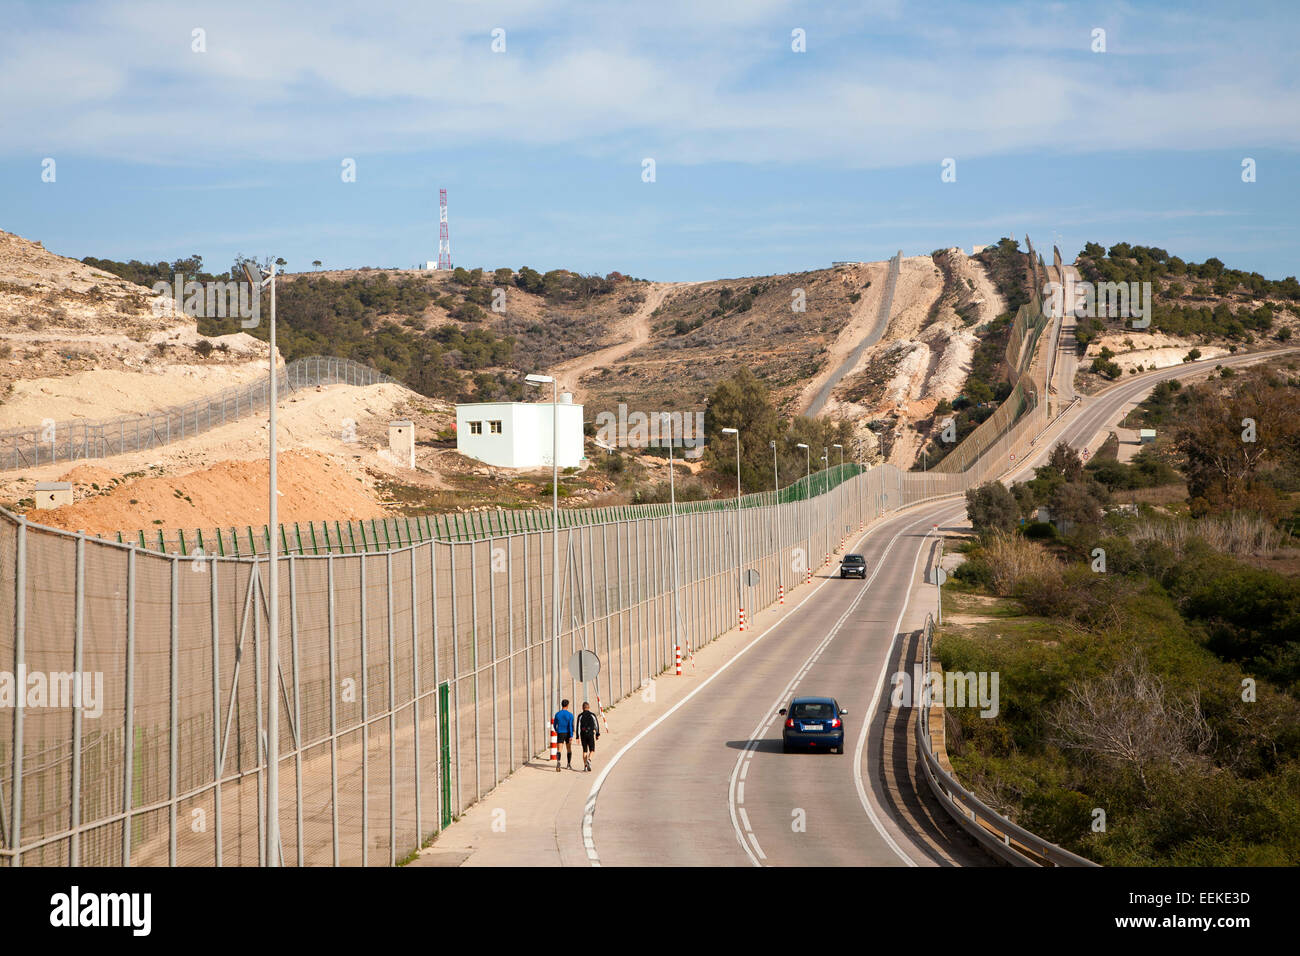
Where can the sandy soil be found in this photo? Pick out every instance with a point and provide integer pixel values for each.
(1148, 349)
(926, 362)
(310, 420)
(313, 486)
(914, 293)
(985, 293)
(105, 393)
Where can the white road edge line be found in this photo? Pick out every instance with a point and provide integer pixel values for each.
(859, 751)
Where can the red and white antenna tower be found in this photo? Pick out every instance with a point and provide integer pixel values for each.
(444, 244)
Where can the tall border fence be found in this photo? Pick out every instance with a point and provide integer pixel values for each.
(78, 439)
(412, 680)
(414, 675)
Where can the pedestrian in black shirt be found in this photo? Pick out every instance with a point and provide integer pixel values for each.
(588, 730)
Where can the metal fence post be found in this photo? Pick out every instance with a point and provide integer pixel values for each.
(415, 694)
(79, 624)
(455, 671)
(392, 715)
(128, 715)
(437, 680)
(365, 722)
(172, 709)
(528, 656)
(473, 659)
(297, 704)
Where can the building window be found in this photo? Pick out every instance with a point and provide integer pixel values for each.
(476, 428)
(496, 427)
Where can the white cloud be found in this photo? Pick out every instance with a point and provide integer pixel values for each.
(692, 82)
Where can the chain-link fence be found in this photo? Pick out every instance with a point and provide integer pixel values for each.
(80, 438)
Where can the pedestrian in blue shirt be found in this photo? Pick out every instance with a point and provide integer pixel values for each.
(563, 722)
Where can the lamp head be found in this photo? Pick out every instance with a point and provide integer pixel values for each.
(253, 273)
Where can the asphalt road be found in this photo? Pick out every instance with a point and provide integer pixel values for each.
(707, 784)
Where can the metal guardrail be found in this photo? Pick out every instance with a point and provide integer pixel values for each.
(79, 439)
(994, 832)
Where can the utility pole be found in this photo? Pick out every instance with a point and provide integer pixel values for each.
(740, 552)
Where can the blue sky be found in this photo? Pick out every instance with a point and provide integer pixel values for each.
(767, 160)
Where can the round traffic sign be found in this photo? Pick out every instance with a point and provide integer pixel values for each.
(940, 576)
(584, 665)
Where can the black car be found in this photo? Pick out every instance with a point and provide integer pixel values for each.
(853, 565)
(813, 723)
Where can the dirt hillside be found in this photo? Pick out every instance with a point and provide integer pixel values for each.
(60, 318)
(313, 487)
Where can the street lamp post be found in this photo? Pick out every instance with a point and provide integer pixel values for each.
(776, 489)
(257, 279)
(672, 522)
(826, 502)
(740, 551)
(540, 380)
(807, 454)
(842, 525)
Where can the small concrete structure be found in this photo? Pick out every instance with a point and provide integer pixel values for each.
(53, 494)
(1147, 436)
(518, 434)
(401, 442)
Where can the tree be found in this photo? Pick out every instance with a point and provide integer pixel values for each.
(1228, 438)
(741, 401)
(1128, 718)
(991, 507)
(315, 263)
(1065, 461)
(1078, 502)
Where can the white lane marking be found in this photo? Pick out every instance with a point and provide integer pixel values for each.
(757, 849)
(859, 750)
(760, 731)
(744, 818)
(740, 789)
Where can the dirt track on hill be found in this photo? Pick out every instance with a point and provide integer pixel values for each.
(636, 331)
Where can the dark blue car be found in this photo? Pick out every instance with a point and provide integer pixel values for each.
(813, 723)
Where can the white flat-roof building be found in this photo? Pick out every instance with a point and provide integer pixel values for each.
(518, 434)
